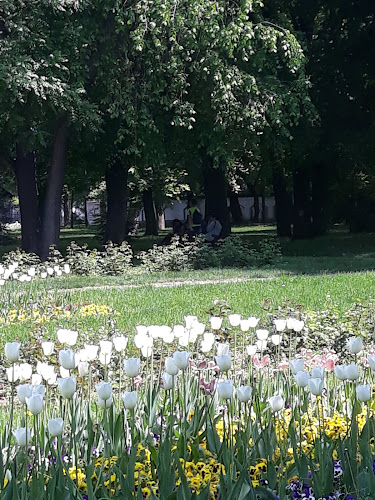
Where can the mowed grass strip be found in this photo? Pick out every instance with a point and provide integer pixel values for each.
(149, 305)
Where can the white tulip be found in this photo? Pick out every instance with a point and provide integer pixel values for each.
(225, 389)
(55, 427)
(216, 322)
(22, 436)
(190, 320)
(66, 268)
(105, 347)
(244, 393)
(222, 349)
(276, 339)
(36, 379)
(130, 400)
(318, 372)
(68, 337)
(253, 322)
(141, 330)
(24, 391)
(48, 348)
(206, 346)
(64, 373)
(234, 319)
(355, 345)
(105, 359)
(223, 362)
(298, 325)
(105, 403)
(181, 359)
(13, 373)
(261, 345)
(31, 272)
(315, 386)
(280, 324)
(244, 325)
(371, 362)
(170, 366)
(302, 378)
(45, 370)
(50, 271)
(43, 275)
(66, 359)
(352, 372)
(67, 387)
(251, 350)
(146, 351)
(34, 404)
(168, 381)
(297, 365)
(198, 328)
(26, 371)
(364, 393)
(167, 335)
(83, 368)
(38, 389)
(104, 390)
(91, 352)
(178, 331)
(132, 366)
(276, 403)
(290, 323)
(12, 351)
(262, 334)
(340, 372)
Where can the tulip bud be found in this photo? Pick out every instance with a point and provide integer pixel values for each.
(280, 324)
(83, 368)
(105, 359)
(371, 362)
(340, 372)
(262, 334)
(318, 372)
(104, 390)
(132, 366)
(223, 362)
(55, 427)
(276, 339)
(276, 402)
(120, 343)
(244, 325)
(297, 365)
(352, 372)
(22, 436)
(170, 366)
(315, 386)
(24, 391)
(66, 359)
(34, 404)
(225, 389)
(244, 393)
(67, 387)
(168, 381)
(234, 319)
(190, 320)
(364, 393)
(216, 322)
(251, 350)
(47, 348)
(355, 345)
(25, 371)
(105, 347)
(302, 378)
(68, 337)
(222, 349)
(13, 373)
(181, 359)
(91, 352)
(12, 351)
(130, 400)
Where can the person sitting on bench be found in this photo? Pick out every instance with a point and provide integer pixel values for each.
(214, 228)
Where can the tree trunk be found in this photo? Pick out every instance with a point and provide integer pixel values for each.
(264, 210)
(254, 194)
(66, 211)
(28, 198)
(86, 213)
(302, 207)
(283, 203)
(116, 178)
(161, 217)
(215, 188)
(150, 213)
(55, 183)
(235, 208)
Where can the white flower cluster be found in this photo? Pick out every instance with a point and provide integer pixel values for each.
(11, 273)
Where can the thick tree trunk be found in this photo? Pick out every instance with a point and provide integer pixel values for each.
(55, 182)
(302, 227)
(283, 203)
(161, 217)
(235, 208)
(28, 198)
(215, 188)
(116, 178)
(150, 213)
